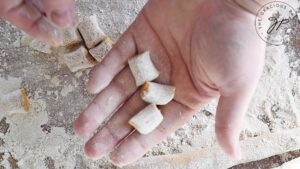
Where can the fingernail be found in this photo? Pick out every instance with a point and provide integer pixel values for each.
(117, 164)
(117, 159)
(91, 150)
(81, 128)
(63, 18)
(90, 156)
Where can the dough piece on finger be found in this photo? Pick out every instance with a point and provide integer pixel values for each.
(147, 119)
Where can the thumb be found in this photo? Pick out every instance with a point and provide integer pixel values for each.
(60, 12)
(230, 112)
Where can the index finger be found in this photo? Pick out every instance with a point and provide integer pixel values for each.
(113, 63)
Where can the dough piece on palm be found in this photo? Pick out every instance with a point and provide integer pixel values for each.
(143, 68)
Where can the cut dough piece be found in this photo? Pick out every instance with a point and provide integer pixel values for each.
(40, 46)
(15, 102)
(91, 31)
(71, 37)
(100, 51)
(157, 93)
(147, 119)
(143, 68)
(78, 59)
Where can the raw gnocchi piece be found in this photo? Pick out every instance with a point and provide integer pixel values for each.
(15, 102)
(91, 31)
(78, 59)
(147, 119)
(71, 37)
(143, 68)
(157, 93)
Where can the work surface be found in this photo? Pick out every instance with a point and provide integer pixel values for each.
(44, 137)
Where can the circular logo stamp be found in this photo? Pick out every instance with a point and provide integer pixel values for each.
(273, 20)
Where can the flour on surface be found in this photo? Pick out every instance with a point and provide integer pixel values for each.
(44, 137)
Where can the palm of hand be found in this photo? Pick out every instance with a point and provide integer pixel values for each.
(197, 47)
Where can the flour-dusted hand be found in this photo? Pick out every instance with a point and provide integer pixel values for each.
(39, 18)
(204, 48)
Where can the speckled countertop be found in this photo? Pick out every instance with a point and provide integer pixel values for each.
(44, 138)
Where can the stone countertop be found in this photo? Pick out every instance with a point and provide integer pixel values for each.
(44, 138)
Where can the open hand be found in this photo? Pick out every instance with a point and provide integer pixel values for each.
(206, 49)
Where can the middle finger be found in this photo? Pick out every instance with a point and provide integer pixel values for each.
(115, 130)
(106, 103)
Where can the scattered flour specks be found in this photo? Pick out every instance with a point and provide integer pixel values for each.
(57, 96)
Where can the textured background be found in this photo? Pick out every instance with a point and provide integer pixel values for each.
(44, 137)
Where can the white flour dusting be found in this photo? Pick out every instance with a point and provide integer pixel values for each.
(43, 138)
